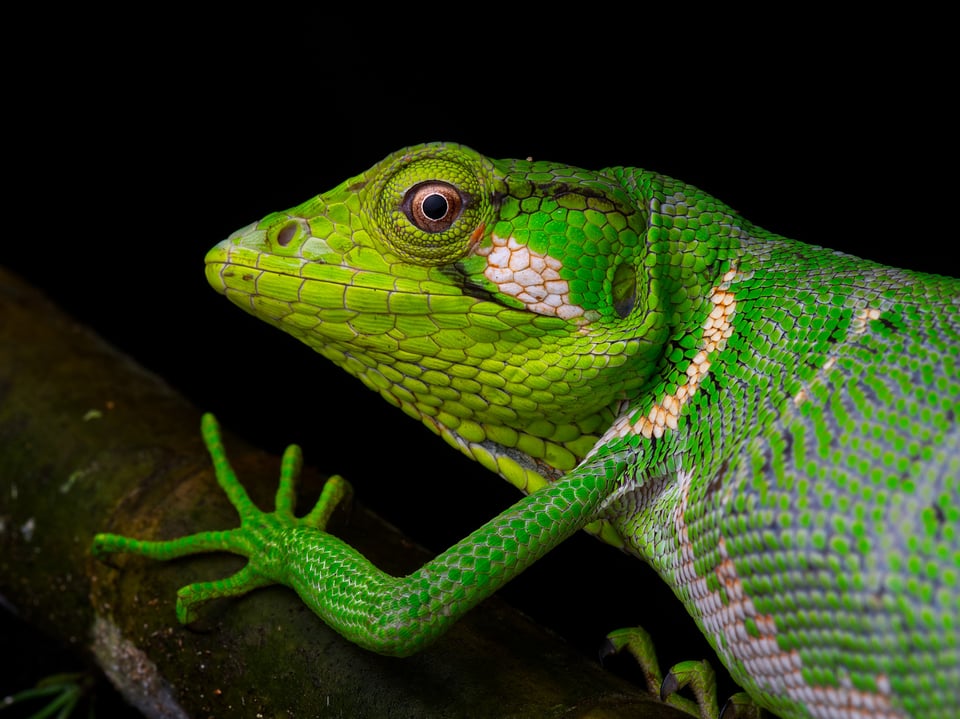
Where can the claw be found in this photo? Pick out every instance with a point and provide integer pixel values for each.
(612, 644)
(669, 686)
(700, 679)
(741, 706)
(638, 642)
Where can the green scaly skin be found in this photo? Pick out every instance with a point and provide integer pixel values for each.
(771, 425)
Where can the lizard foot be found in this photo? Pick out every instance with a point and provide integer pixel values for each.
(696, 676)
(254, 538)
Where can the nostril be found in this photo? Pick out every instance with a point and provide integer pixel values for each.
(286, 234)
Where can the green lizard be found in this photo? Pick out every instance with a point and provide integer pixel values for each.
(771, 425)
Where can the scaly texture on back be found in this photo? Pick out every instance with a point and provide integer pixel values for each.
(769, 424)
(805, 507)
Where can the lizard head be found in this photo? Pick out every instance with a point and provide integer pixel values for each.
(509, 305)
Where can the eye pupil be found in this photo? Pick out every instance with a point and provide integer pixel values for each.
(434, 206)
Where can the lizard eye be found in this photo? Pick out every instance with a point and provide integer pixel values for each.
(433, 206)
(430, 202)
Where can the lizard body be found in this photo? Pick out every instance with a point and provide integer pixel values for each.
(771, 425)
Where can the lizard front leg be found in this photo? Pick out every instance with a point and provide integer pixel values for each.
(390, 615)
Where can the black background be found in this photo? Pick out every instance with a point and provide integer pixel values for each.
(139, 142)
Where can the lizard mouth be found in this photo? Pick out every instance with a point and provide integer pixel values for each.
(338, 309)
(319, 277)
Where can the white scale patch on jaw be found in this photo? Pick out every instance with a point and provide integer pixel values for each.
(532, 278)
